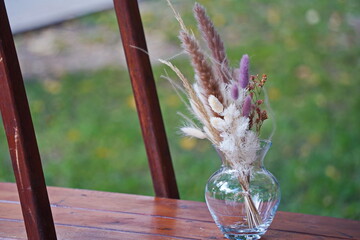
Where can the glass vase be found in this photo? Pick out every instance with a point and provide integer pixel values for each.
(243, 207)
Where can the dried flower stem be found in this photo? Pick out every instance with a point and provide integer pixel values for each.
(253, 215)
(177, 16)
(257, 116)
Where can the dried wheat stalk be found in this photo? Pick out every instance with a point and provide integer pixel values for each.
(202, 68)
(214, 42)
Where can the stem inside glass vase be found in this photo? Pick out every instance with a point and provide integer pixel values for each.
(253, 216)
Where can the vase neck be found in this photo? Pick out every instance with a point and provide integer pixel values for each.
(261, 153)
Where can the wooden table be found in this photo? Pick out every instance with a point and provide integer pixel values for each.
(84, 214)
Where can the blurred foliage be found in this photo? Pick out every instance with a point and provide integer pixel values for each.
(88, 130)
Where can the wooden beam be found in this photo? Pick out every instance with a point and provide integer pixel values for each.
(147, 103)
(21, 139)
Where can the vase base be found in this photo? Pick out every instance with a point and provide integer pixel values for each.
(242, 236)
(245, 234)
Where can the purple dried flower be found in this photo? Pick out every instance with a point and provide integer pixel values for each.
(246, 106)
(244, 71)
(235, 91)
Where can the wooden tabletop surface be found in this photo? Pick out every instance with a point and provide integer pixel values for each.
(84, 214)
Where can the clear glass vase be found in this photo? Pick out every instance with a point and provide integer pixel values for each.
(243, 207)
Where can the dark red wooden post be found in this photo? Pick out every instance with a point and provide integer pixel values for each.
(147, 103)
(21, 139)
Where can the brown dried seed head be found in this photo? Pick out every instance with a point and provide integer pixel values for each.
(264, 115)
(251, 119)
(214, 42)
(264, 78)
(201, 66)
(259, 102)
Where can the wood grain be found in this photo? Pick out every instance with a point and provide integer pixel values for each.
(147, 103)
(21, 139)
(84, 214)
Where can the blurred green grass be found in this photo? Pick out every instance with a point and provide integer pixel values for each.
(88, 130)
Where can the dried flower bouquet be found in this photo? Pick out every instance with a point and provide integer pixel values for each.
(226, 101)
